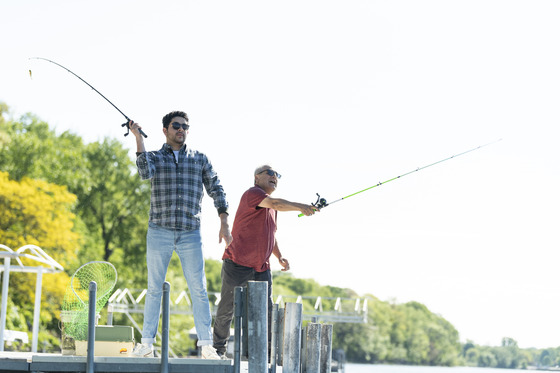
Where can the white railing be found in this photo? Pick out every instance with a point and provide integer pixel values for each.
(319, 308)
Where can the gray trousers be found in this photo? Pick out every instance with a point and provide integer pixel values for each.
(234, 275)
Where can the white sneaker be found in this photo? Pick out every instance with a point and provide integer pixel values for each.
(143, 350)
(209, 352)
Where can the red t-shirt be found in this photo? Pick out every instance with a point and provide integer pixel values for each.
(253, 232)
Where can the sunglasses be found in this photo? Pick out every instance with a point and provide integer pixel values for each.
(271, 173)
(177, 125)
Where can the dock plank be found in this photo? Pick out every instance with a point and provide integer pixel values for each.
(14, 365)
(28, 362)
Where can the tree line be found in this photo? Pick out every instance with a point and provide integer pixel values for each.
(82, 202)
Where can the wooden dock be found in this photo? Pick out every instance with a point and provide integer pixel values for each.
(293, 349)
(17, 362)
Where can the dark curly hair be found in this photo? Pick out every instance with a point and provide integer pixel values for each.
(167, 118)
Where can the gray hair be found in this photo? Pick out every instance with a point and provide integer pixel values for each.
(262, 168)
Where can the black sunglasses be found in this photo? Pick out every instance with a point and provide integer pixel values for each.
(271, 173)
(177, 125)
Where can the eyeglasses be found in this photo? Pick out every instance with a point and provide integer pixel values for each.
(177, 125)
(271, 173)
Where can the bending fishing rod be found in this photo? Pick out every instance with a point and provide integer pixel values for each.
(128, 120)
(321, 202)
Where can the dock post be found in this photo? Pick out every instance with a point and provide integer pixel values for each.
(91, 327)
(280, 339)
(292, 338)
(4, 307)
(274, 338)
(37, 310)
(326, 347)
(109, 314)
(302, 363)
(312, 351)
(257, 322)
(238, 312)
(165, 329)
(244, 325)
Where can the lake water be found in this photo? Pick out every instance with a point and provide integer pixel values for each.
(380, 368)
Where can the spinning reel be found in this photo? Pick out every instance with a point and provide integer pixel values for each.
(321, 202)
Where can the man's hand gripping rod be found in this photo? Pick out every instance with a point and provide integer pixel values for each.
(320, 203)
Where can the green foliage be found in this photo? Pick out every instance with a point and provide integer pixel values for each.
(113, 193)
(213, 270)
(112, 202)
(509, 356)
(37, 213)
(33, 150)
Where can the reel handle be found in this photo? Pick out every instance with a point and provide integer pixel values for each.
(128, 130)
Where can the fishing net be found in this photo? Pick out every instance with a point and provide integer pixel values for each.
(75, 305)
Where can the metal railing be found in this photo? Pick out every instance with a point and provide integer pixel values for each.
(318, 308)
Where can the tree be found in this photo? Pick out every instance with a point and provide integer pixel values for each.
(38, 213)
(31, 149)
(116, 202)
(112, 201)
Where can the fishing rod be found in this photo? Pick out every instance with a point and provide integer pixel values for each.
(128, 120)
(321, 202)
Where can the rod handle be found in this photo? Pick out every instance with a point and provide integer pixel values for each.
(128, 129)
(302, 214)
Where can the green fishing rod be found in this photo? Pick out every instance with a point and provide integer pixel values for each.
(321, 202)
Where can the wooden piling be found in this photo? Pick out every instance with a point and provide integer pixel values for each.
(280, 337)
(257, 325)
(238, 316)
(326, 348)
(292, 338)
(312, 352)
(274, 338)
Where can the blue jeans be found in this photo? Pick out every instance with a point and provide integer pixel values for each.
(161, 242)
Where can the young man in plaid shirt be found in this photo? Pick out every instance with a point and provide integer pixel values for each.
(179, 176)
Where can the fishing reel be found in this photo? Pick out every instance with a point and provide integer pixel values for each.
(127, 128)
(321, 202)
(127, 125)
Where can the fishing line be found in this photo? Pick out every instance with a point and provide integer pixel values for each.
(321, 202)
(128, 120)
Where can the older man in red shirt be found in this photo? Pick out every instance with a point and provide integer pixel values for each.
(247, 257)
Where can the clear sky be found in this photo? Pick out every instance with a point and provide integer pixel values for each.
(337, 96)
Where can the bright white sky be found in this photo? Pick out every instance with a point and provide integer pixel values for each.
(337, 96)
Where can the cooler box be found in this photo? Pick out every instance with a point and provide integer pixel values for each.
(110, 340)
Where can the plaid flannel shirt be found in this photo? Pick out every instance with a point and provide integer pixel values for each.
(177, 186)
